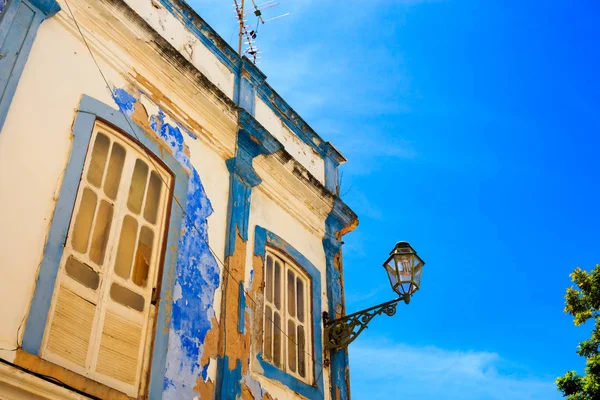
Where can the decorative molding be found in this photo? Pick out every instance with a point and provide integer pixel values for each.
(253, 140)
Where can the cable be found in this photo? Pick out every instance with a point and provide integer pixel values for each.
(174, 197)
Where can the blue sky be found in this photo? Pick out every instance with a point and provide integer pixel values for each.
(471, 130)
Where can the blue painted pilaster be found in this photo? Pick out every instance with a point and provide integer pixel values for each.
(252, 141)
(340, 220)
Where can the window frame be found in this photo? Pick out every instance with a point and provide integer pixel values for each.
(290, 263)
(264, 239)
(89, 111)
(106, 269)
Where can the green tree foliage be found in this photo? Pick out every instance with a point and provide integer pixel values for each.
(583, 304)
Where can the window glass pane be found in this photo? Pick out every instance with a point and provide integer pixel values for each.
(269, 280)
(268, 342)
(113, 173)
(143, 256)
(82, 273)
(291, 295)
(98, 162)
(153, 197)
(138, 186)
(300, 298)
(277, 339)
(126, 297)
(83, 223)
(126, 247)
(301, 352)
(277, 285)
(101, 231)
(291, 345)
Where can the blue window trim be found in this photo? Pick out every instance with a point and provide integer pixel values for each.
(89, 111)
(42, 9)
(262, 239)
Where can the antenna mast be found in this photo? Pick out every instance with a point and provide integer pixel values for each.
(246, 32)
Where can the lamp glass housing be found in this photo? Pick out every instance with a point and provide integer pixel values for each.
(404, 268)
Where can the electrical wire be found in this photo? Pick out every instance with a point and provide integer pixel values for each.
(174, 197)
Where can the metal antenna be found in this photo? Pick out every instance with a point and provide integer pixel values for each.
(247, 32)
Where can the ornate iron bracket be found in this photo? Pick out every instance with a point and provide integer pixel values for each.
(339, 333)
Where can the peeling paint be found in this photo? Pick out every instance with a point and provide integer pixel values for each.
(197, 274)
(231, 388)
(254, 387)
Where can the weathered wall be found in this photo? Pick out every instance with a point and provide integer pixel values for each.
(170, 74)
(35, 144)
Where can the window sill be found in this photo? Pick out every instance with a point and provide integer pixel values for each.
(291, 382)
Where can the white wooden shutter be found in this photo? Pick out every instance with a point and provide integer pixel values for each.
(100, 313)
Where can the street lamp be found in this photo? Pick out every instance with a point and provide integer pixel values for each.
(404, 268)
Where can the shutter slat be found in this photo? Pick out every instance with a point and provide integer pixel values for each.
(119, 349)
(69, 335)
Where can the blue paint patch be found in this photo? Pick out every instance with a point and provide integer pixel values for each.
(228, 386)
(247, 96)
(331, 175)
(196, 281)
(239, 213)
(124, 100)
(48, 7)
(262, 238)
(260, 241)
(241, 309)
(173, 138)
(205, 372)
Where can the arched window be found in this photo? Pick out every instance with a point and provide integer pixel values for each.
(103, 308)
(288, 316)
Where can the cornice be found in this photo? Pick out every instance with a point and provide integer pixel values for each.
(120, 38)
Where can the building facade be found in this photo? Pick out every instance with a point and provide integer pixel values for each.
(171, 228)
